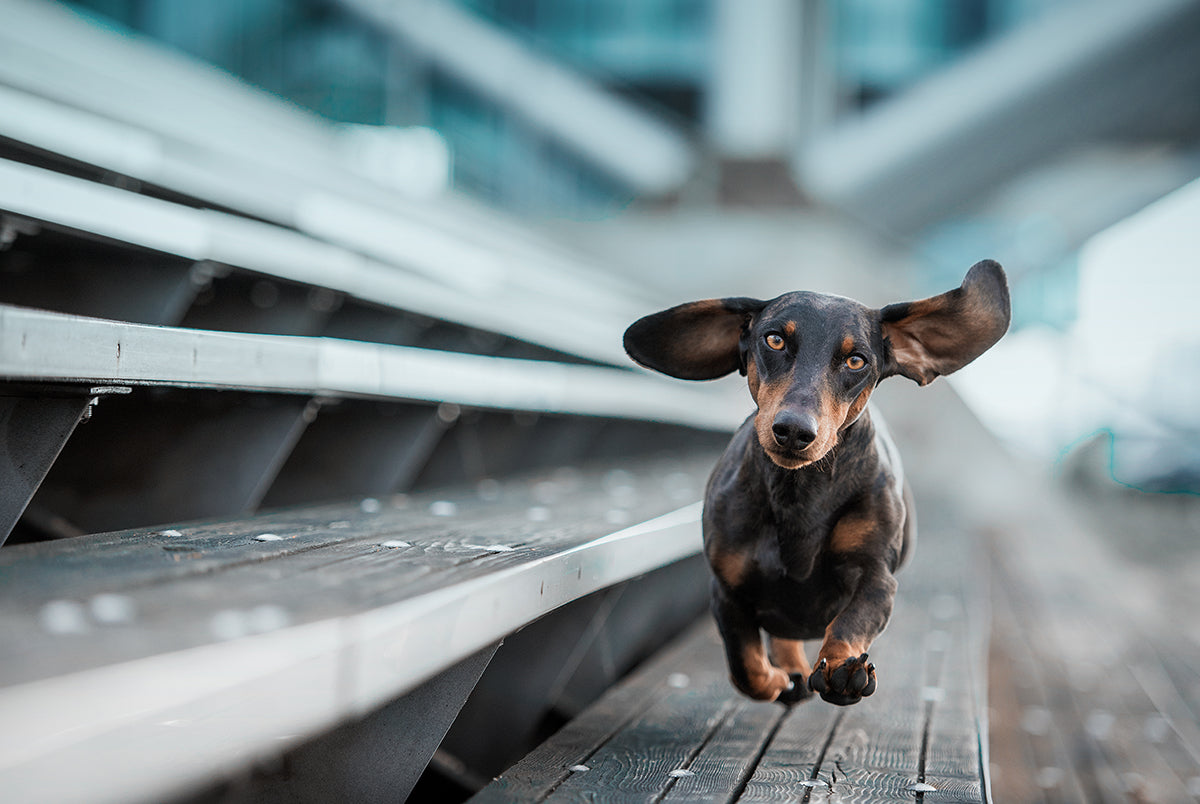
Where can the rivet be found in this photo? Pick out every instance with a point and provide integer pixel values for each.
(1036, 720)
(112, 609)
(370, 505)
(64, 617)
(443, 508)
(678, 681)
(1048, 777)
(1099, 724)
(1156, 728)
(616, 516)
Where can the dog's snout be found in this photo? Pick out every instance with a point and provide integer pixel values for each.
(794, 430)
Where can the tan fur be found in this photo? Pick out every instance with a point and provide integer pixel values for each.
(835, 651)
(765, 680)
(855, 408)
(789, 655)
(850, 533)
(730, 567)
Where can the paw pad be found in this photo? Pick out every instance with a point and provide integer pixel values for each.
(844, 683)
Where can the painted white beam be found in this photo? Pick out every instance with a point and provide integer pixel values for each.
(53, 347)
(398, 264)
(71, 87)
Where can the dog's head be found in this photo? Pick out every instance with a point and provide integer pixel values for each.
(812, 360)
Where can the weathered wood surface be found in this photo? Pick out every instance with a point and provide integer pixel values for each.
(677, 731)
(1102, 706)
(1094, 682)
(105, 598)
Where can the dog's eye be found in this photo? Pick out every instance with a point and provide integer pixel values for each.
(775, 341)
(855, 363)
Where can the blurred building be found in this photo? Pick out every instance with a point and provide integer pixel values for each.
(684, 61)
(954, 129)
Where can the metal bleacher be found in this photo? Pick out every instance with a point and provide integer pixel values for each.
(285, 455)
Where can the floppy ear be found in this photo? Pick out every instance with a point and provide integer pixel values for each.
(696, 341)
(943, 333)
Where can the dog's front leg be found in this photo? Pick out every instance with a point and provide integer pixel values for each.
(749, 668)
(843, 675)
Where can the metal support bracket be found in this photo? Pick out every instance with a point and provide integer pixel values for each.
(381, 757)
(35, 423)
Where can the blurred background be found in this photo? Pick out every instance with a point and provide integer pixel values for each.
(539, 173)
(870, 147)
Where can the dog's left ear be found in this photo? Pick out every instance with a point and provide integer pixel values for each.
(695, 341)
(941, 334)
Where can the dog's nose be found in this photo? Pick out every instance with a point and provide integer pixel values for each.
(794, 430)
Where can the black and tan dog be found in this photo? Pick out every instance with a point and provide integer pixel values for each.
(807, 515)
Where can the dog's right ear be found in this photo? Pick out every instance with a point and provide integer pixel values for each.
(695, 341)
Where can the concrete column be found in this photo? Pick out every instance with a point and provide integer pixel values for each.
(754, 95)
(770, 88)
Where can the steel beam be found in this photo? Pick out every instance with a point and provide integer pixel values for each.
(1086, 72)
(357, 449)
(33, 430)
(380, 757)
(163, 457)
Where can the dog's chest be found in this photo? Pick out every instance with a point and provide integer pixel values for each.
(801, 609)
(793, 582)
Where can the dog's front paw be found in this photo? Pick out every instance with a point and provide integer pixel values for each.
(843, 682)
(797, 692)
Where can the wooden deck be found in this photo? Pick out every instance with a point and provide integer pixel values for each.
(677, 731)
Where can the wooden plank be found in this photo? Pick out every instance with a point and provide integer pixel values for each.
(871, 748)
(547, 767)
(637, 762)
(187, 586)
(793, 758)
(726, 761)
(1034, 758)
(1104, 747)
